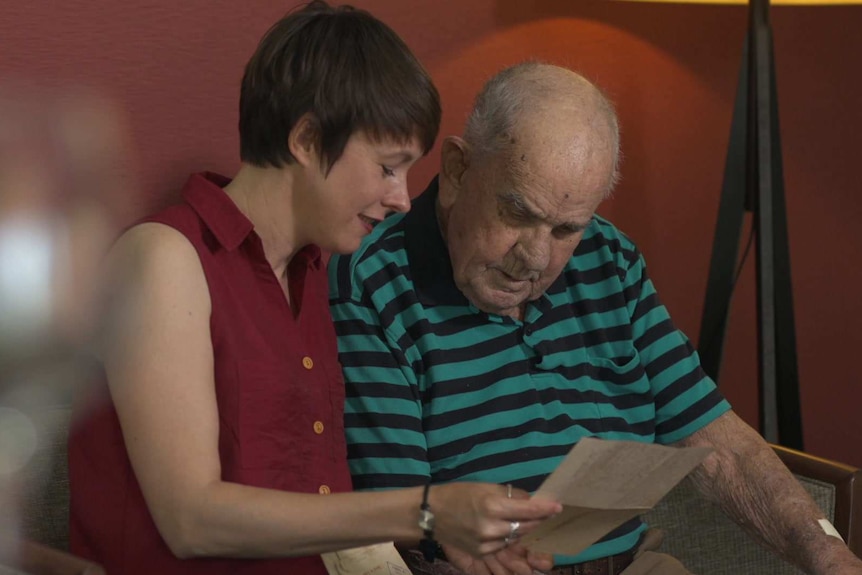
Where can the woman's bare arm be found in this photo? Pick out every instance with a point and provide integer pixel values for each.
(159, 361)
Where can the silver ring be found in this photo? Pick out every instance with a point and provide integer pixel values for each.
(513, 532)
(509, 490)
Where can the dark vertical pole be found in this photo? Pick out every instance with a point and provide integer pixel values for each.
(760, 157)
(780, 402)
(754, 179)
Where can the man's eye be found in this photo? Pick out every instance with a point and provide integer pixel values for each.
(519, 216)
(387, 171)
(564, 232)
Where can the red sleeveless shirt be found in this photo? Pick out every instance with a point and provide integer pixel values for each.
(279, 389)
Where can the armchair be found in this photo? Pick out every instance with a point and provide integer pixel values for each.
(709, 543)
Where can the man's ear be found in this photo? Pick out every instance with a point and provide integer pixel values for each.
(454, 161)
(304, 141)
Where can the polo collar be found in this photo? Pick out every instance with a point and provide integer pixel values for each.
(427, 254)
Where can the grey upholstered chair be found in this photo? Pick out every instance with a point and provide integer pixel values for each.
(44, 513)
(709, 543)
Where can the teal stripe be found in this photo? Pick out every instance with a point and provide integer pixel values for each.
(398, 465)
(393, 406)
(603, 549)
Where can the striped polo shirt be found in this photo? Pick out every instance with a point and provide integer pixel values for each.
(438, 389)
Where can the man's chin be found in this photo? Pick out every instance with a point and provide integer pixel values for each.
(499, 302)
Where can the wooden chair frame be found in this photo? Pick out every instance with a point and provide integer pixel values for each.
(848, 490)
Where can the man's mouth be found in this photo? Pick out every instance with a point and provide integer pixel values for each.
(516, 279)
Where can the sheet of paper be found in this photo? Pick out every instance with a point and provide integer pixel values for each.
(602, 484)
(381, 559)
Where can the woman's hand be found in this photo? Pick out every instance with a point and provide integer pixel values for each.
(477, 518)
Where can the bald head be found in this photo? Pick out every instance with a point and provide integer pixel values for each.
(521, 188)
(547, 110)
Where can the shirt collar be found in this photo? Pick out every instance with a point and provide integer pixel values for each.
(427, 254)
(204, 192)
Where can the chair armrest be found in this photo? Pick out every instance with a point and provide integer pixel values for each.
(847, 481)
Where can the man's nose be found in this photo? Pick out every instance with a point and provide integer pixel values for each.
(534, 250)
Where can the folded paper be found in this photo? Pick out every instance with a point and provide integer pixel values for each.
(602, 484)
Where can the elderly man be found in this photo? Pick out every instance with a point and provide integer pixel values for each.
(502, 320)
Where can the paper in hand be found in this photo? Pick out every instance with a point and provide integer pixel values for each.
(603, 484)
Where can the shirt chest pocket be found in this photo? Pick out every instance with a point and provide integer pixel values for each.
(625, 400)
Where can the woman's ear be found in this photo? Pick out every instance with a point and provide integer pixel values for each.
(454, 161)
(304, 141)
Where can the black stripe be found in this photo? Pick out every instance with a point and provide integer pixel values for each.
(360, 451)
(389, 242)
(389, 314)
(695, 411)
(497, 460)
(368, 358)
(476, 382)
(645, 306)
(383, 277)
(572, 397)
(681, 385)
(387, 481)
(478, 350)
(357, 327)
(592, 338)
(668, 359)
(343, 280)
(386, 420)
(654, 333)
(591, 276)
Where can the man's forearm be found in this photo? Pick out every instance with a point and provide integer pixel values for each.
(754, 488)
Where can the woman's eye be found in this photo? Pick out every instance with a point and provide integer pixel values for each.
(387, 171)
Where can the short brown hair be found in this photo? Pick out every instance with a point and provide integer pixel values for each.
(345, 67)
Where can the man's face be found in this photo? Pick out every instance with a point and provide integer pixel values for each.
(514, 221)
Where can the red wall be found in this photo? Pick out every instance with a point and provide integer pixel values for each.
(174, 67)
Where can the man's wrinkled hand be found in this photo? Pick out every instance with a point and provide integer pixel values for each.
(512, 560)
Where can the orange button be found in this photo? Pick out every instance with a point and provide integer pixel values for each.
(307, 363)
(324, 490)
(318, 427)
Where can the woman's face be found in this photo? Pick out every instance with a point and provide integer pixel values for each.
(368, 182)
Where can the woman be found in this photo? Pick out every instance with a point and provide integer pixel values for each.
(221, 449)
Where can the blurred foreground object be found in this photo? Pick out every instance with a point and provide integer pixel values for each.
(61, 188)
